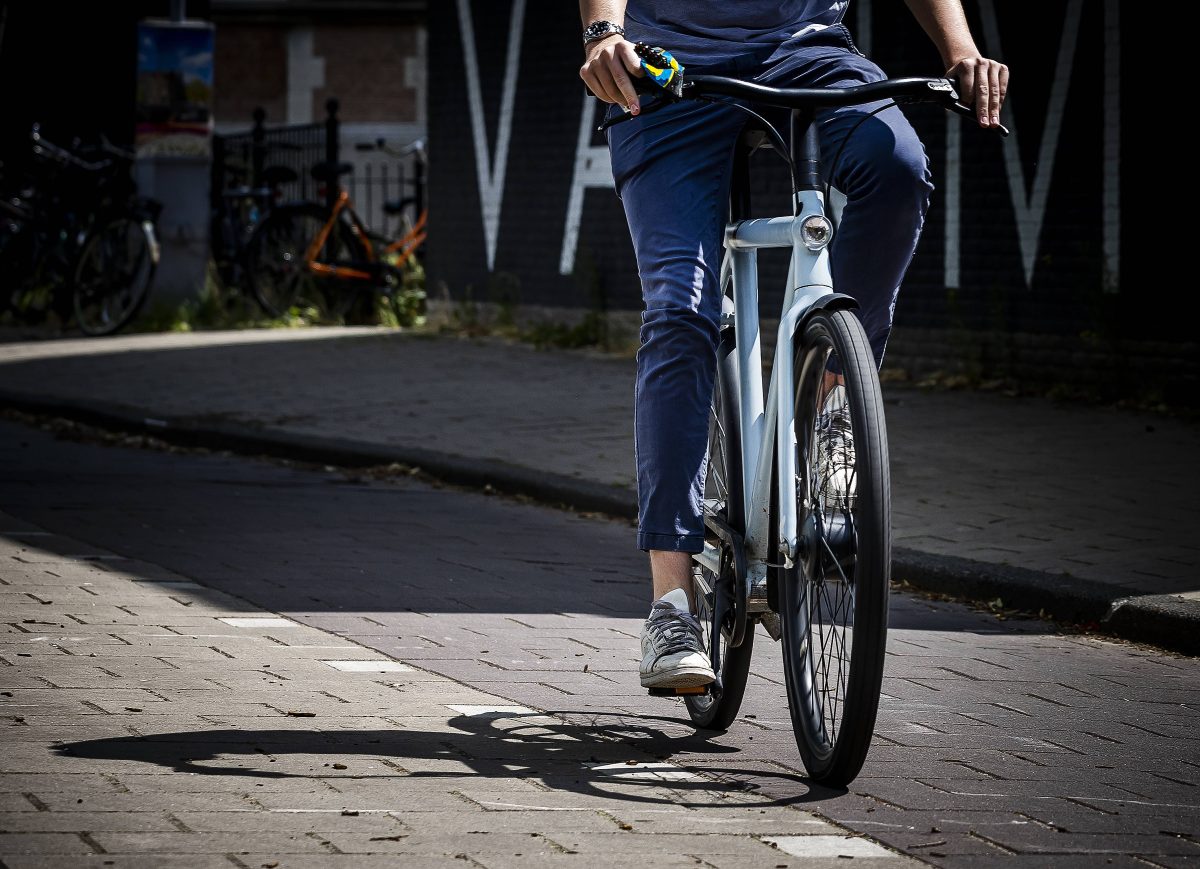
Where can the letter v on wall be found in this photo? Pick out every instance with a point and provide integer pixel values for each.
(1030, 208)
(490, 168)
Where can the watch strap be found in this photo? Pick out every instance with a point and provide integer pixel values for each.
(600, 29)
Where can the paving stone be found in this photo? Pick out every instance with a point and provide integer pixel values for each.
(185, 844)
(44, 843)
(107, 821)
(254, 820)
(124, 861)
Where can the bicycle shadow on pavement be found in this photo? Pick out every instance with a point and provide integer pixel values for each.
(627, 761)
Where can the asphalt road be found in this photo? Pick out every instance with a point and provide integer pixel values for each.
(999, 740)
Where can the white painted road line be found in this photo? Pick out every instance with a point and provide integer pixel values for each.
(369, 666)
(828, 846)
(467, 709)
(643, 771)
(257, 622)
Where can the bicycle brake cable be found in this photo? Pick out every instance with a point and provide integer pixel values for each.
(649, 109)
(842, 147)
(768, 128)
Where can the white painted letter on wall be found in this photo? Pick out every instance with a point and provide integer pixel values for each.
(490, 172)
(593, 168)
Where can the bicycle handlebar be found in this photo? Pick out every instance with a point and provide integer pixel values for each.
(915, 89)
(416, 146)
(44, 147)
(910, 90)
(62, 155)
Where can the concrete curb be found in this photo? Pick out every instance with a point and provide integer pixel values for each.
(1166, 621)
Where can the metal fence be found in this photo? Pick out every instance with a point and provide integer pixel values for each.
(240, 158)
(375, 182)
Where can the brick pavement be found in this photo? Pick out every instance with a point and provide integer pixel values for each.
(147, 720)
(998, 741)
(1098, 494)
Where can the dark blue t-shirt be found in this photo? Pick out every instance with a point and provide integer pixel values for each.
(707, 34)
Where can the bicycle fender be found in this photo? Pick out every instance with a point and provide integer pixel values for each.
(827, 302)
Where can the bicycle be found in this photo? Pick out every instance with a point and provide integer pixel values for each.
(407, 245)
(78, 242)
(239, 210)
(781, 480)
(307, 255)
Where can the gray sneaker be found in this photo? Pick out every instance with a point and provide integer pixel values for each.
(835, 444)
(673, 654)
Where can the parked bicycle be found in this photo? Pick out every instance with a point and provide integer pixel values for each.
(410, 209)
(797, 499)
(240, 208)
(76, 241)
(310, 255)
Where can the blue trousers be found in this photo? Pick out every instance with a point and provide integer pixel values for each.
(672, 172)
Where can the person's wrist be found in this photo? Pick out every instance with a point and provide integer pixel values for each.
(594, 45)
(608, 37)
(598, 30)
(959, 54)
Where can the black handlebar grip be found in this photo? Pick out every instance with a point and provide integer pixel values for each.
(644, 85)
(968, 112)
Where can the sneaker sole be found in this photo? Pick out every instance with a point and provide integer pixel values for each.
(687, 677)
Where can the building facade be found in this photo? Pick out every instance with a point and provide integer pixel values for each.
(1027, 264)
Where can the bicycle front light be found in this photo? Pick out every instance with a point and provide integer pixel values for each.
(816, 231)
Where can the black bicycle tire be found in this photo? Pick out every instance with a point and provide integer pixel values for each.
(140, 297)
(838, 764)
(342, 289)
(735, 662)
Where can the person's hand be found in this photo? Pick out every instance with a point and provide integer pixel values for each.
(606, 71)
(982, 83)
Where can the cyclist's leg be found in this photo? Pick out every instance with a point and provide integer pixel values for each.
(881, 168)
(884, 173)
(672, 174)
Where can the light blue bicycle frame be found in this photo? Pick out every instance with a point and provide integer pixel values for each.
(767, 429)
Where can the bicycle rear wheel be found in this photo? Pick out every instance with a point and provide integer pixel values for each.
(723, 499)
(833, 602)
(112, 276)
(278, 274)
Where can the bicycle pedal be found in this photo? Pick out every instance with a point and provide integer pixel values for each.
(684, 691)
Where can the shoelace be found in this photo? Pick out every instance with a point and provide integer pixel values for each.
(837, 446)
(674, 630)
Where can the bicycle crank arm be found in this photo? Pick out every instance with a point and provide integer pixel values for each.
(741, 577)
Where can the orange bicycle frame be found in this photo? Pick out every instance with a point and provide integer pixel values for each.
(407, 244)
(314, 248)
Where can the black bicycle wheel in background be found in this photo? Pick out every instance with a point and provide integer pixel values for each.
(278, 274)
(113, 275)
(833, 602)
(722, 498)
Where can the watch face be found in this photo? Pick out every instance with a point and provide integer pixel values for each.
(600, 28)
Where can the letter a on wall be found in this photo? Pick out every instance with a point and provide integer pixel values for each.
(490, 168)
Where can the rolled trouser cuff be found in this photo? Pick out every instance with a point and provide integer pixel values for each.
(648, 540)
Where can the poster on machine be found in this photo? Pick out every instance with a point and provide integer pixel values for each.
(174, 88)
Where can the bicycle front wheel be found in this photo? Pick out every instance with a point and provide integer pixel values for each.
(112, 276)
(833, 602)
(280, 275)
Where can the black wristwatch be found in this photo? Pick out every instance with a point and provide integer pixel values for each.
(600, 29)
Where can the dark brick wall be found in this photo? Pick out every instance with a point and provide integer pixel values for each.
(366, 64)
(249, 72)
(1064, 298)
